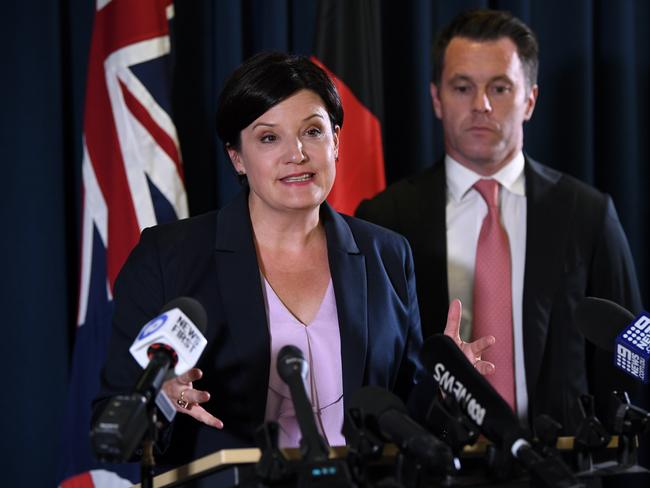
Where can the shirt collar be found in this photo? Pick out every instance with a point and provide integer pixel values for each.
(461, 179)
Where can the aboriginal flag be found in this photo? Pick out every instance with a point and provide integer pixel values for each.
(348, 47)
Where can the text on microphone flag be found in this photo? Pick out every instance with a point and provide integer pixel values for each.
(633, 348)
(173, 328)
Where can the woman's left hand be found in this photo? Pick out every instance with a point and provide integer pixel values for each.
(474, 349)
(189, 399)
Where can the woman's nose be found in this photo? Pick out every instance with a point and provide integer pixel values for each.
(295, 152)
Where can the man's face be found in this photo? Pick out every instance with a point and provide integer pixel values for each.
(483, 100)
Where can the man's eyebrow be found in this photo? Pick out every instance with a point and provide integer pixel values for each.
(460, 77)
(467, 78)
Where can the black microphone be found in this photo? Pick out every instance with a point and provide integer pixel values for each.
(488, 410)
(386, 415)
(293, 370)
(613, 328)
(600, 321)
(173, 339)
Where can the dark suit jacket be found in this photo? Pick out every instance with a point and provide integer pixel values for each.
(212, 258)
(575, 247)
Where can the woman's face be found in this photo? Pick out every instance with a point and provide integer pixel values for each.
(289, 154)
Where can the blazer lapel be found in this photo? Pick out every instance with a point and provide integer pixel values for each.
(545, 224)
(348, 271)
(240, 289)
(430, 254)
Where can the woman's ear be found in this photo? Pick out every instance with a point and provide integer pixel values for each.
(235, 159)
(336, 136)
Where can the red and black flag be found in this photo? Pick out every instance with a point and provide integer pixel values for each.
(348, 47)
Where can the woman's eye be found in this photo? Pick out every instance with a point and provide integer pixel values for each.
(314, 131)
(268, 138)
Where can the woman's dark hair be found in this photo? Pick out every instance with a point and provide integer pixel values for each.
(263, 81)
(489, 25)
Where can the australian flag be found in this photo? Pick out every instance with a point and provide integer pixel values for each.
(132, 178)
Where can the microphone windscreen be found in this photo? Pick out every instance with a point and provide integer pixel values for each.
(600, 321)
(374, 401)
(290, 351)
(476, 397)
(179, 328)
(291, 359)
(192, 308)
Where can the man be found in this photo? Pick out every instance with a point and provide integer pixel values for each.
(524, 261)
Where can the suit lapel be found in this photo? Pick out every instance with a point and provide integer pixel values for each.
(545, 226)
(241, 292)
(240, 289)
(431, 253)
(348, 271)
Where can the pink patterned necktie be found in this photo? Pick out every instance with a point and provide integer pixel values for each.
(493, 293)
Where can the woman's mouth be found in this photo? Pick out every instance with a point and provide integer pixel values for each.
(297, 178)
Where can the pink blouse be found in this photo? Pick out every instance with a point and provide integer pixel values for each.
(320, 342)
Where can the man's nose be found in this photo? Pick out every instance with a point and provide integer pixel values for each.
(481, 102)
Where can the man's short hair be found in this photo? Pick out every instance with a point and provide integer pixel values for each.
(489, 25)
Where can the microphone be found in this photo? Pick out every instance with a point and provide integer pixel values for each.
(600, 321)
(613, 328)
(488, 410)
(174, 339)
(386, 415)
(176, 334)
(293, 370)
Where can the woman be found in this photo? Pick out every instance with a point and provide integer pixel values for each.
(276, 266)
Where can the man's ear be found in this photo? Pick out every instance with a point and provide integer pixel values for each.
(435, 99)
(531, 101)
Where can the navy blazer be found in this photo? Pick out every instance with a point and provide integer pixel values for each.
(212, 258)
(575, 247)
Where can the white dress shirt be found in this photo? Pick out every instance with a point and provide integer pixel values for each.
(465, 212)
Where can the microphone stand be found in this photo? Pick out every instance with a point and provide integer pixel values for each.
(628, 422)
(273, 467)
(315, 468)
(446, 420)
(364, 447)
(147, 462)
(590, 435)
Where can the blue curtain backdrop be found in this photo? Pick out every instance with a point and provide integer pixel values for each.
(591, 121)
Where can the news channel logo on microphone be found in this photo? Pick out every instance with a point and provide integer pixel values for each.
(633, 348)
(172, 328)
(152, 326)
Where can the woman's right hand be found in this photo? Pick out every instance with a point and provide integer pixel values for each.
(187, 400)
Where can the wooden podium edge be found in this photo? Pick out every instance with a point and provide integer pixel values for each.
(229, 457)
(223, 459)
(214, 461)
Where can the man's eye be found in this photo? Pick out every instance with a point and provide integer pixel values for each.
(461, 88)
(500, 89)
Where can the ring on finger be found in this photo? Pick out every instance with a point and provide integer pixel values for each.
(181, 402)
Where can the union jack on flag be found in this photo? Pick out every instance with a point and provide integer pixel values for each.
(132, 178)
